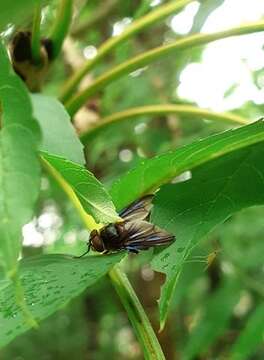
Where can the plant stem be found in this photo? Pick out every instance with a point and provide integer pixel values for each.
(156, 15)
(147, 57)
(137, 315)
(135, 311)
(61, 26)
(35, 35)
(163, 110)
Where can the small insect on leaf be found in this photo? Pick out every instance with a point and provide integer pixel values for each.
(133, 234)
(207, 259)
(211, 258)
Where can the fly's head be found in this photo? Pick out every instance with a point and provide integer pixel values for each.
(96, 241)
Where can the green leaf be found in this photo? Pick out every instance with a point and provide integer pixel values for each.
(251, 337)
(90, 192)
(215, 315)
(49, 283)
(151, 173)
(19, 166)
(193, 208)
(16, 10)
(58, 135)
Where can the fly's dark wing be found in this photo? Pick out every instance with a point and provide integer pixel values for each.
(142, 235)
(138, 210)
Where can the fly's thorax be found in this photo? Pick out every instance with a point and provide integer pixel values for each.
(112, 236)
(110, 230)
(96, 241)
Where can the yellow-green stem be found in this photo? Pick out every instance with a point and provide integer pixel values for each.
(35, 35)
(146, 58)
(163, 110)
(61, 26)
(137, 315)
(156, 15)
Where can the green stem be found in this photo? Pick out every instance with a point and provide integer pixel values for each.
(137, 315)
(35, 36)
(147, 57)
(156, 15)
(163, 110)
(61, 26)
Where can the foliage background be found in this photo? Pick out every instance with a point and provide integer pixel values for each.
(214, 304)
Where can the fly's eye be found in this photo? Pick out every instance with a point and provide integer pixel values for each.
(96, 241)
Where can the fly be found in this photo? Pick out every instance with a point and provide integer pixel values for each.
(133, 234)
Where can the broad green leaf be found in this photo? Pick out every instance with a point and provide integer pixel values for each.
(151, 173)
(50, 282)
(90, 192)
(251, 337)
(215, 315)
(58, 135)
(19, 167)
(193, 208)
(16, 10)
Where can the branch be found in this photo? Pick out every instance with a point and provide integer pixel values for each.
(160, 13)
(150, 56)
(163, 110)
(137, 315)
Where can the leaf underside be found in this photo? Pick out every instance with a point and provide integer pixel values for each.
(90, 192)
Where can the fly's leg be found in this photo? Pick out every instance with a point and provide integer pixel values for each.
(86, 252)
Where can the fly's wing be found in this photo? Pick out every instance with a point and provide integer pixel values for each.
(141, 235)
(138, 210)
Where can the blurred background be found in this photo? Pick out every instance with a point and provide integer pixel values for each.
(226, 75)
